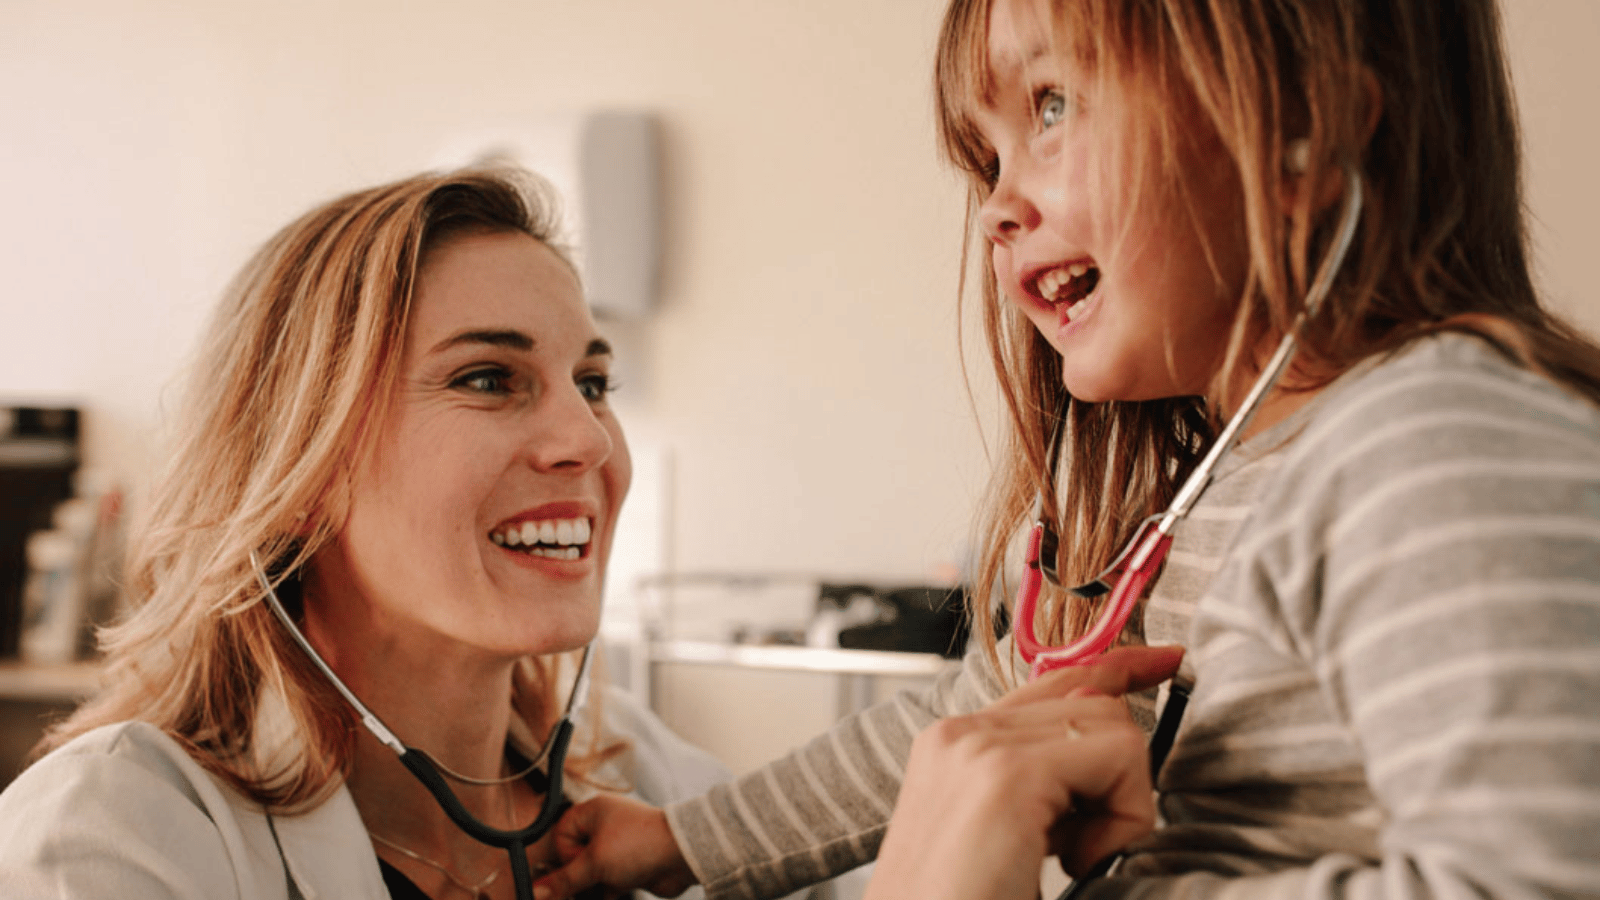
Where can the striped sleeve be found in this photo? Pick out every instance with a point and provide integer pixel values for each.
(821, 810)
(1406, 642)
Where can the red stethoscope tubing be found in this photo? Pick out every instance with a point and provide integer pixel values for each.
(1146, 553)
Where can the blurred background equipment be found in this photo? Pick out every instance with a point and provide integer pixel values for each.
(38, 459)
(60, 550)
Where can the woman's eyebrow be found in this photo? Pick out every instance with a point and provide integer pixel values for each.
(494, 337)
(512, 338)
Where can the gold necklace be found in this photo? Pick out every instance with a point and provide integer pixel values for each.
(476, 891)
(514, 776)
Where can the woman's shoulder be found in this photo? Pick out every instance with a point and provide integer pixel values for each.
(115, 806)
(662, 766)
(125, 804)
(128, 771)
(117, 747)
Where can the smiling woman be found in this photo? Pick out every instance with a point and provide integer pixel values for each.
(498, 423)
(402, 412)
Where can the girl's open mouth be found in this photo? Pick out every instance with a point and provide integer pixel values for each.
(1065, 287)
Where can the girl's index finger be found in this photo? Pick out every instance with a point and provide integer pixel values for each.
(1120, 671)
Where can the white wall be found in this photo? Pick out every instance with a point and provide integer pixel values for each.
(800, 381)
(798, 393)
(1557, 75)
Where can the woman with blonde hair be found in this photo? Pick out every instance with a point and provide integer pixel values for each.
(397, 449)
(1257, 289)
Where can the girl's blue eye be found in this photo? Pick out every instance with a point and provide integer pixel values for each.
(1052, 108)
(595, 387)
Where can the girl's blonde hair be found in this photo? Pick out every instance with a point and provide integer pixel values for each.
(284, 403)
(1414, 94)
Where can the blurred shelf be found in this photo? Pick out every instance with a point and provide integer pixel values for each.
(806, 659)
(66, 683)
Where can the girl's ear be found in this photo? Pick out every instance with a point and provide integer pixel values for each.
(1328, 186)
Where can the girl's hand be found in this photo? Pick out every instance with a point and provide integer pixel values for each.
(614, 844)
(1057, 766)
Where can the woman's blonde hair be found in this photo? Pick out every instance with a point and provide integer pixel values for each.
(1413, 94)
(284, 403)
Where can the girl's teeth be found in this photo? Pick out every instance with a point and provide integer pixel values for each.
(1052, 283)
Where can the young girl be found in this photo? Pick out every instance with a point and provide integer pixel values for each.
(1389, 589)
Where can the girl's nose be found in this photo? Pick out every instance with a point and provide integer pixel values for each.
(1008, 213)
(569, 436)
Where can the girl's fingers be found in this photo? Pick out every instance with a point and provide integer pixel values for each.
(1120, 671)
(1074, 766)
(1053, 713)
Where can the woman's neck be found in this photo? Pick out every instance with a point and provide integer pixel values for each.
(450, 701)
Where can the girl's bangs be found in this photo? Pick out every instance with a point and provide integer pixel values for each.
(963, 83)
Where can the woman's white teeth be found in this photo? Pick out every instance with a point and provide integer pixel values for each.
(554, 538)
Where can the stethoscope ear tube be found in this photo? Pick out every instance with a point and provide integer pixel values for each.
(515, 843)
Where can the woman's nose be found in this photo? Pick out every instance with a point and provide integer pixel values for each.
(1008, 213)
(569, 436)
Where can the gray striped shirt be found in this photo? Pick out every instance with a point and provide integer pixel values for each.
(1392, 608)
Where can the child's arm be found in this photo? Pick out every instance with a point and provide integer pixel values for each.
(807, 817)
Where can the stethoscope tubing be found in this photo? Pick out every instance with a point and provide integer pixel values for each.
(514, 842)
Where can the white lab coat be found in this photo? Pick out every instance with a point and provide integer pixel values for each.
(123, 811)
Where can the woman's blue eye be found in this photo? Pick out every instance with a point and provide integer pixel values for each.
(595, 387)
(1052, 107)
(485, 381)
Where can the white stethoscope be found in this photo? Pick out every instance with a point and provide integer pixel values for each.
(516, 842)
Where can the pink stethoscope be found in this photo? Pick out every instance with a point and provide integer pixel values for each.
(1132, 569)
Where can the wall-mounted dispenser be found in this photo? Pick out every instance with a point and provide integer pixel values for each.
(605, 167)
